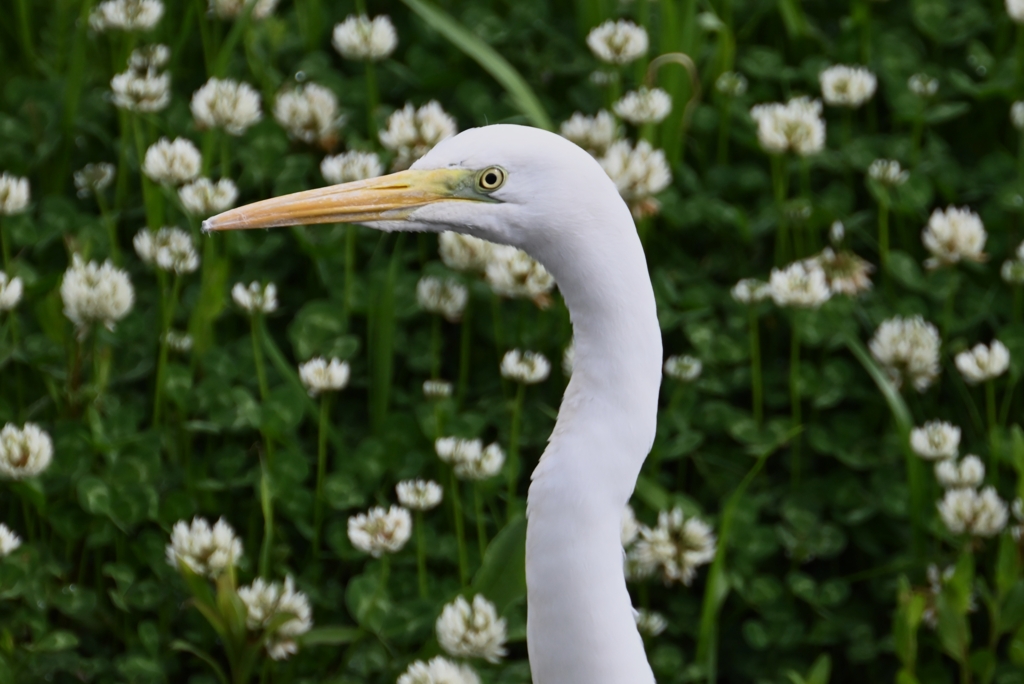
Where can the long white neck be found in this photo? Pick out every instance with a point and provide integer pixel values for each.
(580, 625)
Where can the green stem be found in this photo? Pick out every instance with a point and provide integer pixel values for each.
(993, 436)
(151, 200)
(1020, 56)
(111, 226)
(460, 532)
(478, 511)
(267, 508)
(756, 382)
(513, 449)
(257, 353)
(464, 356)
(321, 472)
(794, 400)
(350, 269)
(778, 163)
(435, 347)
(161, 365)
(883, 234)
(371, 102)
(724, 120)
(421, 555)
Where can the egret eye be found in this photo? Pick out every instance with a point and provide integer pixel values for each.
(491, 179)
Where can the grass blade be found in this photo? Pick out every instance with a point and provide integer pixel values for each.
(487, 57)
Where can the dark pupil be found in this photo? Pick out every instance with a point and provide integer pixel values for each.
(491, 179)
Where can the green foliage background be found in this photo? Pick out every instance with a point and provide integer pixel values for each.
(823, 566)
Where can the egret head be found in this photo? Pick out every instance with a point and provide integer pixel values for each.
(509, 184)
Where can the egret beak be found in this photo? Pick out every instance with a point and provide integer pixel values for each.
(387, 198)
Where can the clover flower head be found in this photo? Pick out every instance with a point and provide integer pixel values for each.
(969, 472)
(149, 57)
(380, 531)
(981, 363)
(442, 296)
(169, 249)
(953, 235)
(908, 350)
(9, 541)
(482, 465)
(731, 84)
(224, 103)
(618, 42)
(141, 91)
(639, 173)
(750, 291)
(232, 9)
(95, 294)
(204, 550)
(255, 298)
(595, 133)
(847, 86)
(796, 126)
(14, 194)
(437, 389)
(1015, 8)
(527, 367)
(266, 603)
(845, 272)
(513, 273)
(923, 85)
(646, 105)
(319, 375)
(650, 623)
(419, 495)
(350, 166)
(180, 342)
(802, 284)
(126, 15)
(683, 368)
(936, 440)
(172, 162)
(474, 630)
(410, 132)
(888, 172)
(10, 291)
(569, 358)
(438, 670)
(24, 452)
(967, 511)
(309, 113)
(464, 252)
(92, 179)
(204, 197)
(362, 38)
(676, 547)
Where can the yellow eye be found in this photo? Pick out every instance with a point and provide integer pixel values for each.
(491, 179)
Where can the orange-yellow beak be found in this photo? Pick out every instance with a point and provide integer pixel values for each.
(387, 198)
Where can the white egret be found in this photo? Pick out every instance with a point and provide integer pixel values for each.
(536, 191)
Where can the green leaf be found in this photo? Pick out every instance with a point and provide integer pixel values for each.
(821, 670)
(367, 601)
(179, 645)
(487, 57)
(331, 636)
(1011, 613)
(1007, 565)
(502, 574)
(319, 330)
(53, 642)
(94, 495)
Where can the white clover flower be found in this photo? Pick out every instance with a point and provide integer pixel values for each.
(952, 235)
(10, 292)
(569, 357)
(845, 272)
(936, 440)
(14, 194)
(232, 9)
(255, 298)
(923, 85)
(1012, 271)
(527, 367)
(94, 293)
(480, 465)
(350, 166)
(419, 495)
(676, 546)
(846, 86)
(227, 104)
(452, 450)
(464, 252)
(169, 249)
(438, 670)
(646, 105)
(318, 375)
(24, 452)
(595, 133)
(639, 173)
(802, 284)
(750, 291)
(836, 233)
(204, 551)
(513, 273)
(1017, 115)
(618, 42)
(149, 57)
(888, 172)
(472, 631)
(9, 541)
(309, 113)
(380, 531)
(1017, 531)
(731, 84)
(203, 198)
(126, 15)
(684, 368)
(437, 389)
(411, 133)
(443, 296)
(1015, 8)
(179, 341)
(172, 162)
(983, 363)
(796, 126)
(630, 528)
(908, 349)
(364, 38)
(92, 179)
(266, 603)
(980, 514)
(969, 472)
(650, 622)
(147, 91)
